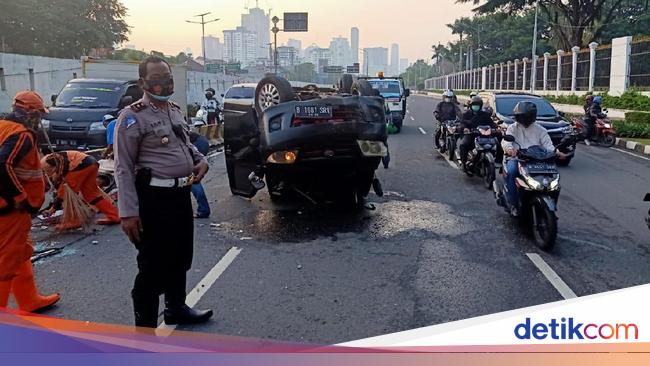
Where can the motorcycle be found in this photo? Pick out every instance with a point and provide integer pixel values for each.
(538, 185)
(440, 138)
(452, 135)
(604, 132)
(106, 179)
(647, 219)
(481, 160)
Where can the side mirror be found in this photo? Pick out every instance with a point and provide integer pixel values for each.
(562, 114)
(126, 100)
(222, 95)
(407, 92)
(254, 142)
(509, 138)
(53, 98)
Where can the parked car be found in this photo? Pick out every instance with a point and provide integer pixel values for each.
(240, 94)
(75, 119)
(308, 141)
(558, 127)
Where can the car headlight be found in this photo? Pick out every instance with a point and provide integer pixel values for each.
(45, 123)
(97, 126)
(283, 157)
(372, 148)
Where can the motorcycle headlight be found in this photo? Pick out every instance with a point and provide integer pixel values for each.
(555, 184)
(97, 126)
(45, 124)
(532, 182)
(608, 125)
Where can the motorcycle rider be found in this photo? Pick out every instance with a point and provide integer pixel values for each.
(445, 111)
(594, 112)
(474, 116)
(527, 133)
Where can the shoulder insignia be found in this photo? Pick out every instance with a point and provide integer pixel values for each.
(138, 106)
(129, 120)
(173, 104)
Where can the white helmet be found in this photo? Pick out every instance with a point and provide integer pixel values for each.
(448, 94)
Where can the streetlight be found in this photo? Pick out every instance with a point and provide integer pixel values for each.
(533, 71)
(203, 22)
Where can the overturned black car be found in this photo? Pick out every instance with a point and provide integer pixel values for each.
(322, 144)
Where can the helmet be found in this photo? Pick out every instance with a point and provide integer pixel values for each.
(525, 113)
(30, 101)
(589, 98)
(108, 118)
(598, 99)
(473, 94)
(211, 90)
(448, 95)
(476, 100)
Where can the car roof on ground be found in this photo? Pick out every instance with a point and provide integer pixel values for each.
(102, 81)
(244, 85)
(512, 94)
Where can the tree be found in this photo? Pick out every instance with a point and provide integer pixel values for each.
(304, 72)
(62, 28)
(571, 22)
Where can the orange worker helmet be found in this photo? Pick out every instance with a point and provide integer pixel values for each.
(30, 100)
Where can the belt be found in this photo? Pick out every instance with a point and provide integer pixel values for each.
(172, 183)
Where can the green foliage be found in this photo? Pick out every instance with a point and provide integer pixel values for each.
(62, 28)
(638, 117)
(136, 55)
(631, 99)
(416, 74)
(632, 129)
(305, 72)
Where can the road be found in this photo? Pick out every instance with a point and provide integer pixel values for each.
(435, 249)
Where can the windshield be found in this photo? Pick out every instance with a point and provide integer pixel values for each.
(506, 105)
(386, 86)
(89, 95)
(240, 93)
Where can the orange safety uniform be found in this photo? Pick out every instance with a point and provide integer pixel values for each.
(21, 180)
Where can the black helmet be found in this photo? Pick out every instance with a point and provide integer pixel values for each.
(211, 91)
(476, 100)
(525, 113)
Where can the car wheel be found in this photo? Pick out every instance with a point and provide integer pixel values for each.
(362, 87)
(345, 83)
(272, 90)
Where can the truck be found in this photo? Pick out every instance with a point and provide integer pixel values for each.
(395, 95)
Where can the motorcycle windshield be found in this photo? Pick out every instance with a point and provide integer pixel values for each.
(537, 153)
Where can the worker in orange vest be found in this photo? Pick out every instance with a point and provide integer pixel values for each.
(22, 192)
(79, 172)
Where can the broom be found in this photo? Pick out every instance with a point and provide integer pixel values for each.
(76, 211)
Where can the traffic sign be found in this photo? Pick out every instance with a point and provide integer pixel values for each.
(296, 22)
(333, 69)
(354, 69)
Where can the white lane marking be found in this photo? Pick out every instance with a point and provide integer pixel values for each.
(451, 164)
(203, 286)
(551, 276)
(422, 130)
(412, 119)
(629, 153)
(214, 154)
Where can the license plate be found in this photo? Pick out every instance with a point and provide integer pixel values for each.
(66, 142)
(541, 168)
(312, 111)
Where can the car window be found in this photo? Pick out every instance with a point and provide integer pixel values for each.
(240, 93)
(89, 95)
(386, 86)
(505, 106)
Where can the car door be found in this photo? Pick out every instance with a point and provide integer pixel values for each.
(241, 146)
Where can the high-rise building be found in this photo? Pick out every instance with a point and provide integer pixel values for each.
(240, 45)
(296, 44)
(213, 48)
(354, 38)
(287, 56)
(340, 52)
(320, 57)
(258, 22)
(403, 64)
(394, 59)
(375, 60)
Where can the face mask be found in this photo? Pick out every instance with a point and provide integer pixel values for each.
(476, 108)
(160, 90)
(208, 95)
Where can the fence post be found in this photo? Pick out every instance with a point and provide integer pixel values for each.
(523, 74)
(508, 78)
(574, 67)
(560, 53)
(484, 78)
(546, 57)
(592, 65)
(533, 73)
(516, 74)
(501, 76)
(619, 78)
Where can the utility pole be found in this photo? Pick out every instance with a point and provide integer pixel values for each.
(203, 22)
(533, 71)
(275, 31)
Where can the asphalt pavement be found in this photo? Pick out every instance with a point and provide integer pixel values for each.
(436, 248)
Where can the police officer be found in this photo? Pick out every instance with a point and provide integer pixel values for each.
(156, 166)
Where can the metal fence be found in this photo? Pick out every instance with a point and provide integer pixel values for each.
(640, 65)
(582, 70)
(603, 67)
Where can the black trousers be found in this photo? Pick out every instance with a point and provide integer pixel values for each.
(164, 251)
(465, 144)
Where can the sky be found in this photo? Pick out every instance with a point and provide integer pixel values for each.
(414, 24)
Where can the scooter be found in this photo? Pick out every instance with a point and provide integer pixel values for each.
(604, 132)
(452, 135)
(480, 160)
(440, 138)
(538, 187)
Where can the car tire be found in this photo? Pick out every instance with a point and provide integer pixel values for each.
(345, 83)
(272, 90)
(362, 88)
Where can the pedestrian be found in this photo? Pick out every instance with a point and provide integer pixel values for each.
(109, 122)
(156, 165)
(203, 206)
(211, 106)
(22, 193)
(78, 171)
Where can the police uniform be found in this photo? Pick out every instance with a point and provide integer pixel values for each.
(154, 161)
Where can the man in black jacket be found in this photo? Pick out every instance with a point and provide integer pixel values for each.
(474, 116)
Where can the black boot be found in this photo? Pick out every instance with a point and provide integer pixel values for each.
(185, 315)
(145, 309)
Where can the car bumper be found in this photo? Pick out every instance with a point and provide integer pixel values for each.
(86, 140)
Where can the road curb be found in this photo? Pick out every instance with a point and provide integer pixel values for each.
(633, 146)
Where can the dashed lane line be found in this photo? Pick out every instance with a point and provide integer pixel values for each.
(203, 286)
(552, 276)
(422, 130)
(412, 119)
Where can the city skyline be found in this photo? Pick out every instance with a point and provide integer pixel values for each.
(163, 27)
